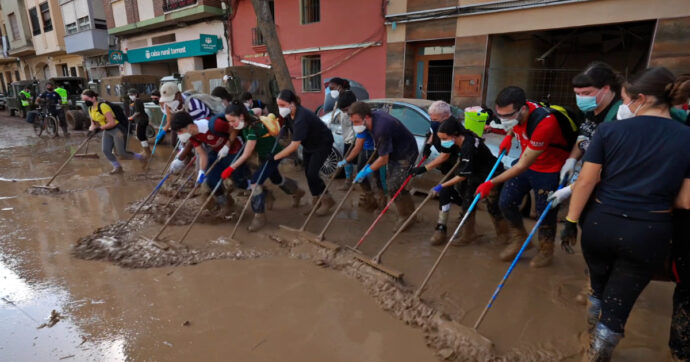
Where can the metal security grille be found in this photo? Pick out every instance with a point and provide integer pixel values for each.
(257, 38)
(540, 84)
(439, 80)
(311, 10)
(311, 64)
(170, 5)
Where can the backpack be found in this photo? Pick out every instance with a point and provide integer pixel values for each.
(215, 104)
(272, 124)
(212, 123)
(568, 121)
(122, 120)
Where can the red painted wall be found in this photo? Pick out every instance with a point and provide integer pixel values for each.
(342, 22)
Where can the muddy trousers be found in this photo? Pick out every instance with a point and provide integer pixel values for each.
(396, 173)
(373, 181)
(239, 176)
(623, 252)
(259, 198)
(142, 123)
(679, 340)
(114, 139)
(518, 187)
(313, 161)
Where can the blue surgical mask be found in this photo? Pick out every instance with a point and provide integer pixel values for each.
(586, 103)
(447, 143)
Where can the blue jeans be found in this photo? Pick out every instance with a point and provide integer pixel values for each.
(518, 187)
(239, 176)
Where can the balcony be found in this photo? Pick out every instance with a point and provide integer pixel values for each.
(172, 5)
(257, 38)
(175, 13)
(87, 42)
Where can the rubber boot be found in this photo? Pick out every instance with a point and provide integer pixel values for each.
(326, 205)
(314, 201)
(270, 199)
(517, 238)
(502, 229)
(545, 255)
(381, 199)
(289, 186)
(116, 170)
(468, 233)
(224, 206)
(593, 312)
(367, 201)
(257, 223)
(348, 178)
(439, 235)
(405, 206)
(602, 344)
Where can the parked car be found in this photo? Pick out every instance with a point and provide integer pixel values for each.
(3, 102)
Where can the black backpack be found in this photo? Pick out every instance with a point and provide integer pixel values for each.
(568, 121)
(122, 120)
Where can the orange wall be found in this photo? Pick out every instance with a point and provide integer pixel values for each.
(342, 22)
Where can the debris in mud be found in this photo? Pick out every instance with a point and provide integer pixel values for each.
(144, 177)
(187, 323)
(54, 318)
(161, 212)
(39, 190)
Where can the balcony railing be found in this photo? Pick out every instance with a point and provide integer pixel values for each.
(171, 5)
(257, 37)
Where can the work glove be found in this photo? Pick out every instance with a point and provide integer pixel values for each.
(361, 175)
(558, 196)
(484, 189)
(341, 163)
(506, 143)
(569, 236)
(426, 151)
(92, 132)
(416, 171)
(176, 165)
(202, 176)
(223, 151)
(160, 136)
(437, 189)
(227, 172)
(568, 168)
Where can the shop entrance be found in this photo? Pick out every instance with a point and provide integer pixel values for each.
(434, 70)
(160, 68)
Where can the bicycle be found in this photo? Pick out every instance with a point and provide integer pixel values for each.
(45, 121)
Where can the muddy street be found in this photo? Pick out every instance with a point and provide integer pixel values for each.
(265, 296)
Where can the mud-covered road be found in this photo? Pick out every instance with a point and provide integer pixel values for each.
(267, 297)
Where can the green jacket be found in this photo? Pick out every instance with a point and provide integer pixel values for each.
(63, 94)
(25, 97)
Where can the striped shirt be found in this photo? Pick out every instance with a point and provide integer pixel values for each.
(196, 108)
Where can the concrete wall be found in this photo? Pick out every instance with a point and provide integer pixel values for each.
(17, 8)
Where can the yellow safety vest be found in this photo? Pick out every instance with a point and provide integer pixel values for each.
(27, 98)
(63, 94)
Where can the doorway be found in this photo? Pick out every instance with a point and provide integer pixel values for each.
(434, 70)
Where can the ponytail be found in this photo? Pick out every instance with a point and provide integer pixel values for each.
(289, 96)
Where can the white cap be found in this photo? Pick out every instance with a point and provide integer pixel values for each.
(168, 91)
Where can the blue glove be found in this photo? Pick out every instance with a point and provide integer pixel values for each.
(361, 175)
(341, 163)
(202, 176)
(438, 188)
(160, 136)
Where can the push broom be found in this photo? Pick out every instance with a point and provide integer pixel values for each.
(55, 188)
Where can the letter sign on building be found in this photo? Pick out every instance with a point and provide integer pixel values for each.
(205, 45)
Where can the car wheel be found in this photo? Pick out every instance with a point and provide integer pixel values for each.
(77, 119)
(331, 163)
(150, 132)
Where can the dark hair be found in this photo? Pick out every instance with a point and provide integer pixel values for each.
(360, 108)
(50, 83)
(180, 120)
(660, 83)
(222, 93)
(246, 96)
(341, 82)
(453, 127)
(511, 95)
(89, 93)
(598, 75)
(346, 98)
(236, 108)
(133, 91)
(289, 96)
(156, 93)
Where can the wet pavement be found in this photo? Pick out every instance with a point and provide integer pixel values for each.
(274, 304)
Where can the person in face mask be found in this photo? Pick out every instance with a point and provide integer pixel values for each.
(342, 120)
(222, 93)
(175, 101)
(259, 142)
(336, 86)
(316, 141)
(217, 135)
(103, 118)
(538, 169)
(256, 106)
(439, 112)
(397, 150)
(140, 118)
(53, 102)
(476, 162)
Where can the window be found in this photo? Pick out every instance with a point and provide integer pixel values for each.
(73, 71)
(84, 23)
(163, 39)
(100, 24)
(311, 65)
(35, 25)
(310, 11)
(71, 28)
(413, 120)
(16, 35)
(45, 15)
(64, 70)
(16, 75)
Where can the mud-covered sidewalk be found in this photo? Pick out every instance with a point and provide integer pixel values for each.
(265, 296)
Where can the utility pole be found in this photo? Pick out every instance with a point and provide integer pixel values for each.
(267, 27)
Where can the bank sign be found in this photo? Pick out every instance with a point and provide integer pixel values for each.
(116, 57)
(205, 45)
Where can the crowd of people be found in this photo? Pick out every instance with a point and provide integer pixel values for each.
(623, 166)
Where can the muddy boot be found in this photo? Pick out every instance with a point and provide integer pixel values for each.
(116, 170)
(257, 223)
(545, 256)
(381, 199)
(314, 201)
(517, 238)
(405, 206)
(348, 169)
(439, 235)
(593, 312)
(602, 344)
(146, 148)
(270, 199)
(326, 205)
(502, 229)
(367, 201)
(289, 186)
(224, 206)
(468, 233)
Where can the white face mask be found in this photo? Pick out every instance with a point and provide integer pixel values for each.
(335, 93)
(132, 97)
(184, 137)
(240, 125)
(624, 112)
(284, 111)
(506, 124)
(248, 105)
(173, 105)
(359, 129)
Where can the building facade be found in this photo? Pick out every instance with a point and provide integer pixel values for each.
(320, 39)
(164, 37)
(466, 51)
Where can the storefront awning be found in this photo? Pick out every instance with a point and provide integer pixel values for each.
(205, 45)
